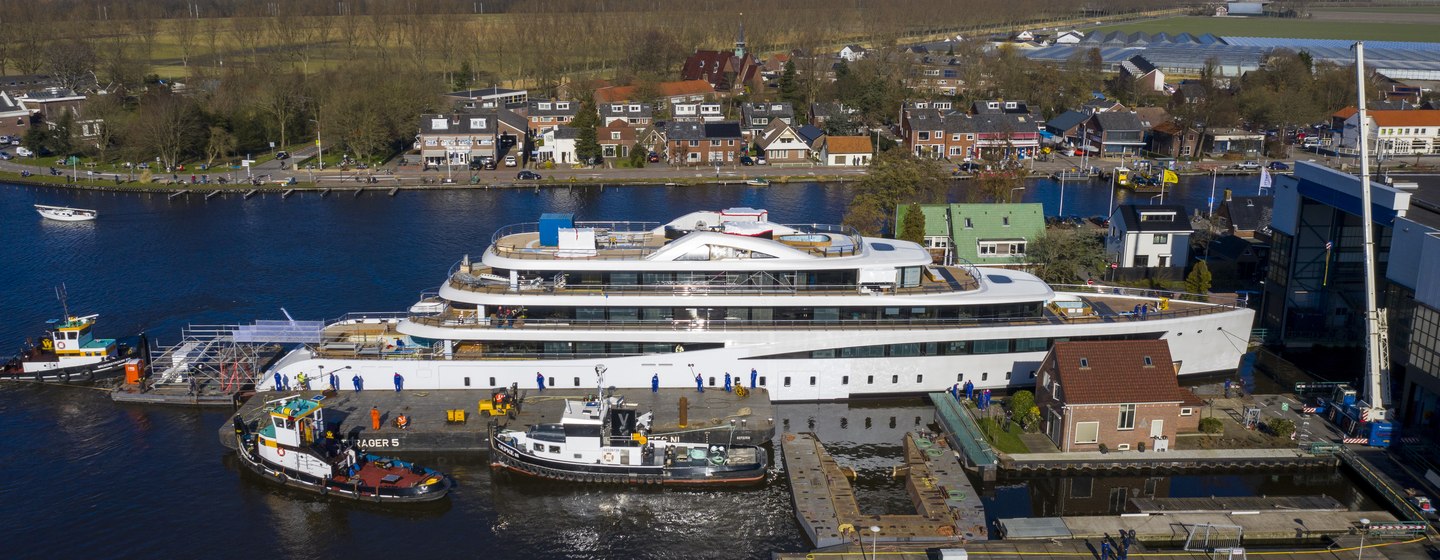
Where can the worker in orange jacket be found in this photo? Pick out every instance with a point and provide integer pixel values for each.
(374, 418)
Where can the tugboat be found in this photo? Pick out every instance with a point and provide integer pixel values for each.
(292, 448)
(68, 352)
(601, 440)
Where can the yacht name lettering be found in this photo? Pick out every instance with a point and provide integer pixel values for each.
(380, 442)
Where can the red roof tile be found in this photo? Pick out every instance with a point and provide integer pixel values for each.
(1114, 372)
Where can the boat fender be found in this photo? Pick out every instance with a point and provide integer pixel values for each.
(283, 479)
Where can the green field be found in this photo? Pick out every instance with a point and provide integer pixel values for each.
(1289, 28)
(1384, 10)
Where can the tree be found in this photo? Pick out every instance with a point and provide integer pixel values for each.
(221, 144)
(789, 87)
(1212, 426)
(71, 62)
(638, 155)
(1022, 406)
(168, 126)
(58, 142)
(1066, 256)
(36, 139)
(996, 186)
(281, 98)
(895, 177)
(110, 115)
(1281, 427)
(587, 148)
(913, 229)
(1198, 282)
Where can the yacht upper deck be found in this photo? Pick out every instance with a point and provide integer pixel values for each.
(643, 240)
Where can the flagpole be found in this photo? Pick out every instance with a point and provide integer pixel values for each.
(1212, 194)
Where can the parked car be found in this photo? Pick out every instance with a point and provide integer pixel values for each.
(22, 151)
(746, 160)
(653, 157)
(528, 175)
(510, 161)
(969, 167)
(1249, 165)
(1279, 166)
(760, 160)
(4, 155)
(282, 155)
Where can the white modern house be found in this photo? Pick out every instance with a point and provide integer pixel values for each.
(1393, 133)
(1154, 236)
(697, 112)
(852, 53)
(559, 145)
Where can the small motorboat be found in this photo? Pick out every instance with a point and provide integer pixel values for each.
(602, 440)
(66, 213)
(758, 182)
(290, 448)
(68, 352)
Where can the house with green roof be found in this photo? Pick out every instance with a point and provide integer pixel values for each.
(982, 234)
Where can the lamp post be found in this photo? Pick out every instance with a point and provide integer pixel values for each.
(874, 540)
(1364, 527)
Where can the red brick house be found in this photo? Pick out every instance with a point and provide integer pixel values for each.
(1121, 393)
(615, 140)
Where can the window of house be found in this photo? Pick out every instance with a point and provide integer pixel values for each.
(1162, 238)
(563, 106)
(1005, 221)
(1084, 363)
(615, 135)
(1186, 411)
(986, 249)
(694, 143)
(969, 224)
(1142, 260)
(923, 135)
(1087, 432)
(1149, 362)
(1127, 417)
(955, 137)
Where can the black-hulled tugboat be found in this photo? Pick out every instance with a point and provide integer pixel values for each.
(602, 440)
(68, 352)
(290, 448)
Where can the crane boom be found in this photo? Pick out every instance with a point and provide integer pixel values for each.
(1377, 370)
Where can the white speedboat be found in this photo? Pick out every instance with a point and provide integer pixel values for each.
(65, 213)
(810, 312)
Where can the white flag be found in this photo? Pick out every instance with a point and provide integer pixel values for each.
(1264, 179)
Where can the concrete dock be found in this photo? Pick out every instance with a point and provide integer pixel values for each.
(1118, 462)
(714, 416)
(949, 510)
(1346, 549)
(1274, 526)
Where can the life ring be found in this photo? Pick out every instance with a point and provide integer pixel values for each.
(280, 451)
(60, 345)
(609, 457)
(679, 348)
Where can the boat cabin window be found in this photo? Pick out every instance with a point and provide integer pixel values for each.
(547, 432)
(787, 381)
(538, 446)
(554, 449)
(812, 381)
(845, 380)
(762, 381)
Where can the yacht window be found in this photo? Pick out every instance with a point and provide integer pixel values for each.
(985, 376)
(812, 381)
(590, 313)
(827, 314)
(577, 381)
(762, 381)
(492, 381)
(1007, 376)
(624, 314)
(591, 348)
(467, 381)
(869, 380)
(998, 346)
(787, 381)
(539, 447)
(894, 379)
(845, 380)
(712, 381)
(550, 381)
(624, 348)
(920, 378)
(656, 313)
(959, 377)
(623, 278)
(554, 449)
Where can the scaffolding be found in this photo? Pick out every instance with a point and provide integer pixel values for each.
(215, 359)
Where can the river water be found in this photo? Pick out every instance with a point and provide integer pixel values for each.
(88, 478)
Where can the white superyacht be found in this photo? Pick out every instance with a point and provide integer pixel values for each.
(816, 312)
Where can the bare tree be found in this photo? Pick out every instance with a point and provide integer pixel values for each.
(168, 126)
(281, 98)
(70, 62)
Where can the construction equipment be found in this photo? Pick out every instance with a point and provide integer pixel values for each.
(1377, 363)
(500, 403)
(455, 416)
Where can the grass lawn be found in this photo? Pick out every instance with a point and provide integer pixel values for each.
(1003, 440)
(1281, 27)
(1384, 10)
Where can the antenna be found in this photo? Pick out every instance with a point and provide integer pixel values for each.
(62, 295)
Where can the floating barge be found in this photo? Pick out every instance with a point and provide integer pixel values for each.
(948, 509)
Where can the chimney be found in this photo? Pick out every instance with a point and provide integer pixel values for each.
(1227, 195)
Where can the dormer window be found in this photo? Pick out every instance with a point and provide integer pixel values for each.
(1149, 362)
(544, 106)
(993, 105)
(969, 224)
(477, 123)
(1084, 363)
(563, 106)
(776, 107)
(634, 108)
(439, 124)
(1005, 221)
(1009, 104)
(617, 107)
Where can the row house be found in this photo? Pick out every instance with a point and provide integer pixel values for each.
(694, 143)
(1115, 132)
(670, 93)
(943, 80)
(616, 140)
(462, 138)
(697, 112)
(995, 136)
(632, 114)
(755, 118)
(783, 143)
(923, 130)
(558, 145)
(547, 114)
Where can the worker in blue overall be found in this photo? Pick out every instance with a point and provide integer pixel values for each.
(399, 382)
(727, 382)
(278, 385)
(540, 380)
(334, 382)
(357, 382)
(970, 390)
(699, 384)
(753, 376)
(655, 383)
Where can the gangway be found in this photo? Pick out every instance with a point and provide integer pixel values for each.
(214, 364)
